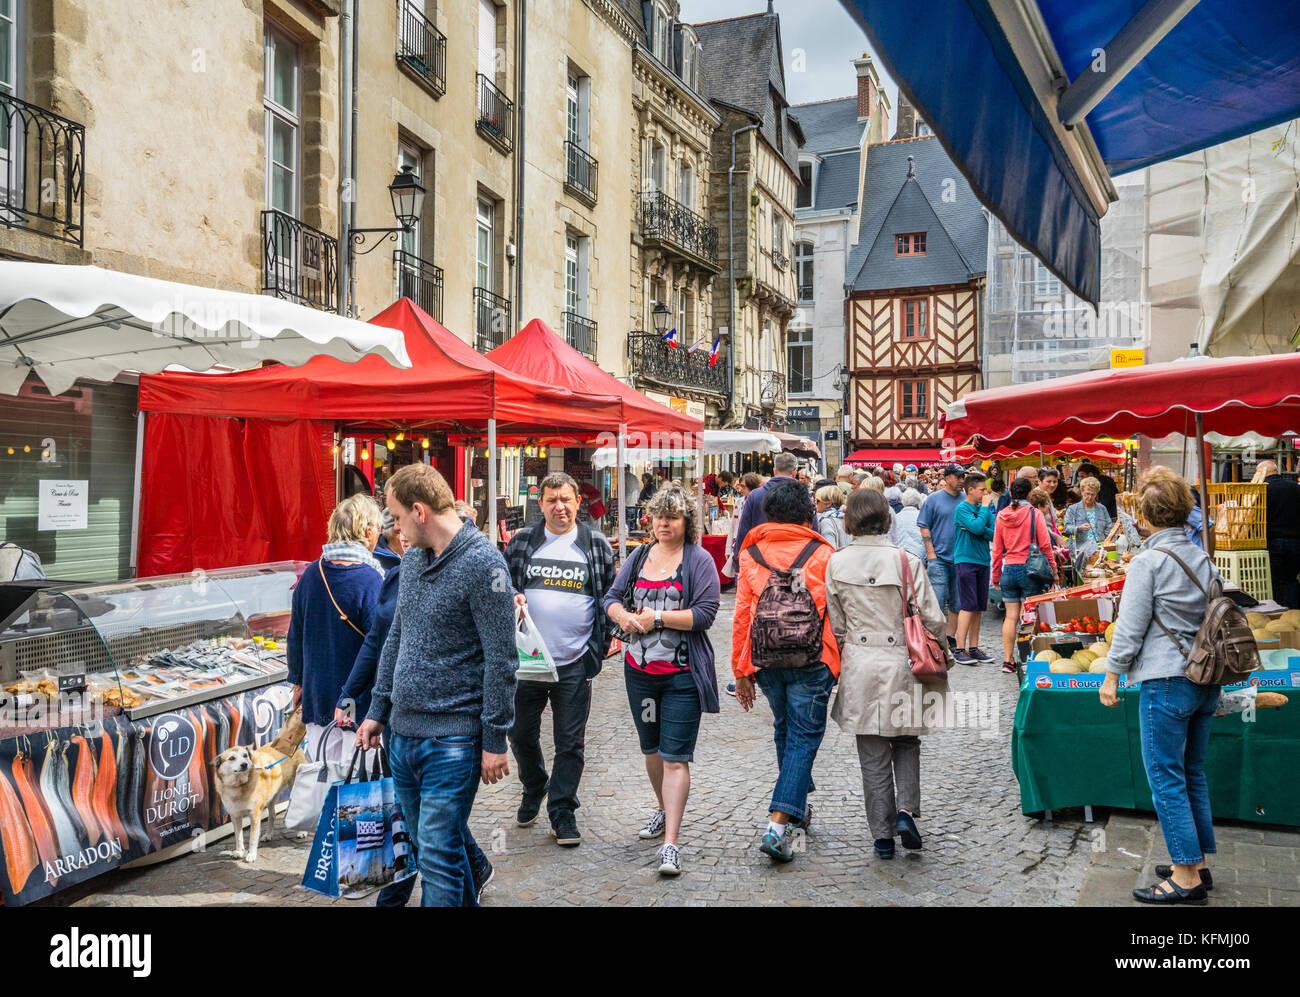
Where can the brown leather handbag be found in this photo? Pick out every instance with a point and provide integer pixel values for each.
(929, 656)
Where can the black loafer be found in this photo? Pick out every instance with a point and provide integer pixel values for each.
(1175, 895)
(1165, 871)
(907, 831)
(884, 847)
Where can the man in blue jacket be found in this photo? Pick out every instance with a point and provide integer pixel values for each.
(973, 525)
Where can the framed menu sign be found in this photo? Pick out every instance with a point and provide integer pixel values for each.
(62, 505)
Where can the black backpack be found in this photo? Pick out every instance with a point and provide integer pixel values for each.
(786, 631)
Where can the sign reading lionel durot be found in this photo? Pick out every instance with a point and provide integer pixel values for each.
(1127, 358)
(62, 505)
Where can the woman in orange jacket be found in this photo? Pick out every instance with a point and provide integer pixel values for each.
(791, 653)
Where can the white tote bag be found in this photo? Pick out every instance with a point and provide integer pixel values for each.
(310, 785)
(535, 661)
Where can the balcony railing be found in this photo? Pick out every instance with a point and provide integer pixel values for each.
(491, 320)
(420, 281)
(650, 357)
(665, 219)
(42, 171)
(299, 263)
(771, 389)
(780, 260)
(496, 115)
(805, 292)
(580, 333)
(580, 171)
(421, 47)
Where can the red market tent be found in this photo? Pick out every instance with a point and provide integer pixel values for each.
(538, 353)
(1107, 450)
(1232, 395)
(237, 468)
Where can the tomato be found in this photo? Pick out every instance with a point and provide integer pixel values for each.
(1044, 628)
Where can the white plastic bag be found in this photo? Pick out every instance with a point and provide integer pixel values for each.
(535, 661)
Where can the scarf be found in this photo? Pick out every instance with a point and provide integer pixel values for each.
(355, 552)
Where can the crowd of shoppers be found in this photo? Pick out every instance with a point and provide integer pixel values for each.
(406, 623)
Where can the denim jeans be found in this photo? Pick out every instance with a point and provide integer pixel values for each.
(1175, 723)
(943, 579)
(798, 697)
(436, 780)
(570, 700)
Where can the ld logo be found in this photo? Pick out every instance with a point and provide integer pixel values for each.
(171, 745)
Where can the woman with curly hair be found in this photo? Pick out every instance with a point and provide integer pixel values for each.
(664, 601)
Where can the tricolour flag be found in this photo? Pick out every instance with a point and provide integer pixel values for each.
(370, 835)
(699, 345)
(670, 337)
(713, 352)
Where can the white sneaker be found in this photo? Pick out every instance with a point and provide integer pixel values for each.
(654, 827)
(671, 861)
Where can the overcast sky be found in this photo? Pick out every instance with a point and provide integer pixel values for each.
(829, 39)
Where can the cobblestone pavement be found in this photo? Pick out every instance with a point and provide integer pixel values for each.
(979, 849)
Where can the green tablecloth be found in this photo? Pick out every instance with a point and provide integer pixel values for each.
(1068, 750)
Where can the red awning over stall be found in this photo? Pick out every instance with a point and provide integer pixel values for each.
(888, 455)
(538, 353)
(1234, 394)
(1108, 450)
(449, 383)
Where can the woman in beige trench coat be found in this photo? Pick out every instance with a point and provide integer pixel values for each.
(879, 701)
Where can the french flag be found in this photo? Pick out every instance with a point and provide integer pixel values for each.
(670, 337)
(713, 352)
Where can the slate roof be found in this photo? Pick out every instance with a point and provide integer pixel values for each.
(830, 124)
(956, 229)
(741, 66)
(837, 181)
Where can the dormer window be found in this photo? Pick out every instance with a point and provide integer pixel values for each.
(804, 195)
(909, 244)
(659, 35)
(691, 48)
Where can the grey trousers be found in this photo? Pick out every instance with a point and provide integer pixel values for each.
(891, 780)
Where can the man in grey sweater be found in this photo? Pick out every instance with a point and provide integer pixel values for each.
(446, 682)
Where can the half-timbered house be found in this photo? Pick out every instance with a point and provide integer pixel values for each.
(914, 308)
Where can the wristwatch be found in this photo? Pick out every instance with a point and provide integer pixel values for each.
(659, 619)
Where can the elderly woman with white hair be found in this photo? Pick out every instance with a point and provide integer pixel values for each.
(334, 607)
(909, 533)
(1087, 523)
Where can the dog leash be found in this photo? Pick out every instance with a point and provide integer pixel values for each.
(274, 764)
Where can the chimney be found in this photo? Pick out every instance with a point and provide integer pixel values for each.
(906, 118)
(866, 86)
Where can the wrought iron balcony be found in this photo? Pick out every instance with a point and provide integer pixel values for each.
(491, 320)
(651, 358)
(580, 172)
(299, 263)
(771, 391)
(677, 226)
(580, 333)
(780, 260)
(805, 292)
(420, 281)
(42, 171)
(421, 47)
(496, 115)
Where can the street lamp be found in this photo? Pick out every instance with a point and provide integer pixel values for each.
(407, 194)
(660, 317)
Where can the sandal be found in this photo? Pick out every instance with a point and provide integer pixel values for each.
(1175, 894)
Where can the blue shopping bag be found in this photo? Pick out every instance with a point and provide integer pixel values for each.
(322, 872)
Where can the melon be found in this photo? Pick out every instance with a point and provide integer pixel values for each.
(1100, 649)
(1256, 620)
(1098, 666)
(1292, 616)
(1110, 630)
(1064, 666)
(1278, 627)
(1261, 634)
(1084, 657)
(1047, 655)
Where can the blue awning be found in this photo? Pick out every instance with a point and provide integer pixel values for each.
(984, 83)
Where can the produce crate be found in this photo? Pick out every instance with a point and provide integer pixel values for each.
(1248, 570)
(1238, 510)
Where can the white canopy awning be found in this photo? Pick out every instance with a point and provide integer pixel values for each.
(65, 322)
(712, 441)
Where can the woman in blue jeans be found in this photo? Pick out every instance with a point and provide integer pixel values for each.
(664, 600)
(1017, 527)
(1160, 600)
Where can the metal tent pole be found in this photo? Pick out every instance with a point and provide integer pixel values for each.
(492, 480)
(622, 490)
(1200, 463)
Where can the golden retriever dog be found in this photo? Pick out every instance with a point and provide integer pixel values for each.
(249, 779)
